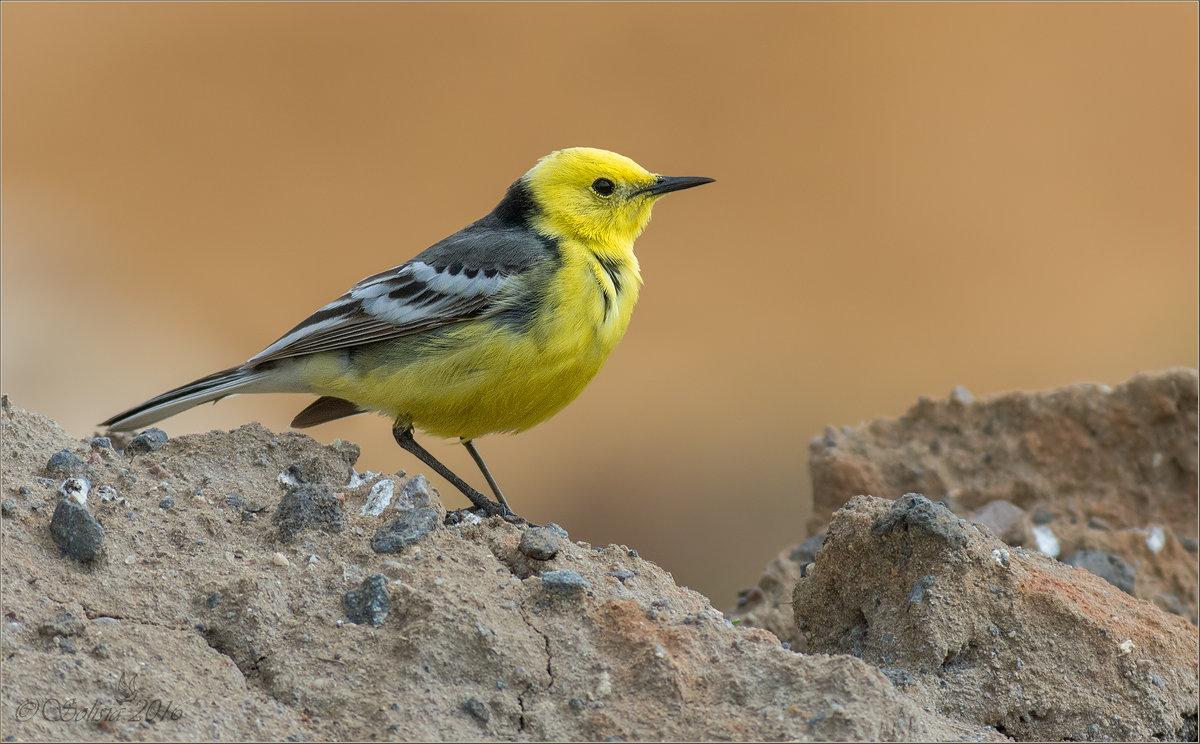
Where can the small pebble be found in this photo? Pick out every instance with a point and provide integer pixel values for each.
(564, 583)
(101, 443)
(477, 709)
(279, 559)
(622, 575)
(961, 395)
(167, 503)
(411, 526)
(65, 464)
(416, 492)
(76, 532)
(8, 507)
(539, 543)
(148, 441)
(1125, 647)
(76, 489)
(369, 603)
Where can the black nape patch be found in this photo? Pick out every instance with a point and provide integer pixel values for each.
(518, 206)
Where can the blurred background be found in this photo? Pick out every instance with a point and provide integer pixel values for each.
(909, 197)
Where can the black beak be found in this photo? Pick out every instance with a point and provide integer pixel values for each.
(667, 184)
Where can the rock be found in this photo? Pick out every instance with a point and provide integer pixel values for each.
(64, 464)
(378, 498)
(76, 532)
(369, 603)
(1027, 645)
(1087, 464)
(1108, 567)
(149, 440)
(308, 506)
(564, 583)
(8, 507)
(416, 492)
(279, 559)
(1006, 520)
(167, 502)
(539, 543)
(477, 709)
(101, 443)
(410, 527)
(76, 489)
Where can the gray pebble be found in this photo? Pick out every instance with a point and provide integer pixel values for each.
(415, 493)
(308, 506)
(622, 575)
(558, 530)
(235, 501)
(148, 441)
(539, 543)
(369, 603)
(76, 532)
(918, 591)
(101, 443)
(1157, 681)
(8, 507)
(65, 464)
(564, 583)
(576, 704)
(1109, 567)
(167, 503)
(410, 527)
(477, 709)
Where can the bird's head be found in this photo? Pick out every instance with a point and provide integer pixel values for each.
(599, 195)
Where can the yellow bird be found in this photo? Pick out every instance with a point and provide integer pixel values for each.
(493, 329)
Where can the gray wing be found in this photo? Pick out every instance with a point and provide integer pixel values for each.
(470, 274)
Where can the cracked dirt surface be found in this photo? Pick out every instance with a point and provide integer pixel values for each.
(197, 622)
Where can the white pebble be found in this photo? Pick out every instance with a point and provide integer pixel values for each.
(279, 559)
(379, 498)
(1156, 540)
(1125, 647)
(76, 489)
(131, 559)
(1000, 556)
(1047, 541)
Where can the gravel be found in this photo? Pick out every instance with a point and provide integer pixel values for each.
(415, 493)
(369, 603)
(148, 441)
(76, 532)
(410, 527)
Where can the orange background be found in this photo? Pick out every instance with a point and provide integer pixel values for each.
(909, 197)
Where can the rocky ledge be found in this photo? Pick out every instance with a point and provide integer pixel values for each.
(252, 585)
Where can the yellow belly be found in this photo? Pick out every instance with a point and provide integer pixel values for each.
(484, 377)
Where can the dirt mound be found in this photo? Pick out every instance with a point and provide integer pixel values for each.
(999, 636)
(1105, 479)
(217, 603)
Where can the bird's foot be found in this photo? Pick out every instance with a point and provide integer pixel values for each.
(483, 511)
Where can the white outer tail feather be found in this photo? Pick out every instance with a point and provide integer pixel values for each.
(211, 388)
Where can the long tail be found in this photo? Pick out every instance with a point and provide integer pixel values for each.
(213, 387)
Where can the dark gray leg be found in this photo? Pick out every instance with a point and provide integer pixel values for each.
(404, 438)
(483, 468)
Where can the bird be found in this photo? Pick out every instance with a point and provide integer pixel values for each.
(493, 329)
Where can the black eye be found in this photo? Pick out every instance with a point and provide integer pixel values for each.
(603, 186)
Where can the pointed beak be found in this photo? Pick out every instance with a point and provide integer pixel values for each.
(667, 184)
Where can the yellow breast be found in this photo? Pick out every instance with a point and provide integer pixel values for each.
(485, 377)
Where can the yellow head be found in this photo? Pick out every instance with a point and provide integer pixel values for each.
(598, 195)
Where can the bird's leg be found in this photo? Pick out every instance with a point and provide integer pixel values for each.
(404, 438)
(483, 468)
